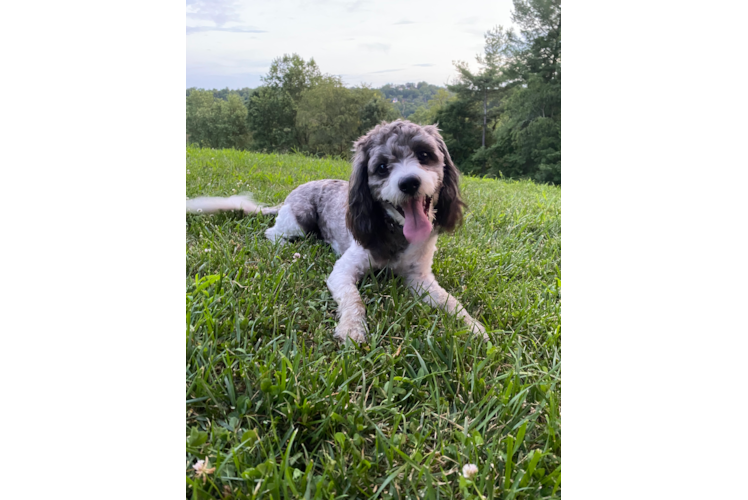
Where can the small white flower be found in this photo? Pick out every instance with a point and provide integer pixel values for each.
(469, 471)
(201, 468)
(199, 210)
(207, 249)
(296, 256)
(233, 190)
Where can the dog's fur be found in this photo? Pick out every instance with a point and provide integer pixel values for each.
(363, 219)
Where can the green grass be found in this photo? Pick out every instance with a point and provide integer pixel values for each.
(282, 411)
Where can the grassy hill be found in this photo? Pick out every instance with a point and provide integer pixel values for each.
(282, 411)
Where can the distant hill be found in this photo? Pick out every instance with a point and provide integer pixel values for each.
(224, 93)
(405, 97)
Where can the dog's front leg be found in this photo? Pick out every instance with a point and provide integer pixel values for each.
(429, 291)
(342, 284)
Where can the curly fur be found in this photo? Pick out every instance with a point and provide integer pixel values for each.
(363, 219)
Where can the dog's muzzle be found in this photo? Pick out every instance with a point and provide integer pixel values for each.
(409, 185)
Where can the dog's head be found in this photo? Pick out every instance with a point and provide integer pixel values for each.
(404, 170)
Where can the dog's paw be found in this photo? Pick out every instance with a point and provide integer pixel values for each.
(478, 329)
(347, 329)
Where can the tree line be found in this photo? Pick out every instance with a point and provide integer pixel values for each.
(503, 120)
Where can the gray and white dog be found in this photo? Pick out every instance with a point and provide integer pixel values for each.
(402, 193)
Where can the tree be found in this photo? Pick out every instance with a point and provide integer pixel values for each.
(292, 74)
(231, 130)
(410, 96)
(217, 123)
(199, 116)
(270, 118)
(329, 115)
(333, 116)
(476, 105)
(459, 121)
(426, 115)
(376, 110)
(518, 87)
(489, 81)
(273, 107)
(529, 136)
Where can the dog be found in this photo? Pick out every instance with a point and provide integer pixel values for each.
(402, 193)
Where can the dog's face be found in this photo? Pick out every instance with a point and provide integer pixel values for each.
(404, 170)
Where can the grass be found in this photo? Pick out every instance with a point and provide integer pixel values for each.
(281, 411)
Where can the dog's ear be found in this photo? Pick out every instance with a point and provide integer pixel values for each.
(360, 215)
(366, 219)
(450, 205)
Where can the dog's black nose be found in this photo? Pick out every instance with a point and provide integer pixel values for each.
(409, 185)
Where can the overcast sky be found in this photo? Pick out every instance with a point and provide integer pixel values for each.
(232, 43)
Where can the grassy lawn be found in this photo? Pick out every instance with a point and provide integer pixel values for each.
(281, 411)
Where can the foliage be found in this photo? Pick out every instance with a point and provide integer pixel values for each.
(375, 111)
(427, 115)
(333, 116)
(281, 411)
(273, 107)
(271, 117)
(459, 121)
(244, 93)
(410, 96)
(519, 84)
(215, 122)
(301, 109)
(503, 120)
(531, 133)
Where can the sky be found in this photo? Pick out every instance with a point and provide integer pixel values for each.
(232, 43)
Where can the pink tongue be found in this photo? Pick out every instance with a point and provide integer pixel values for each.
(417, 227)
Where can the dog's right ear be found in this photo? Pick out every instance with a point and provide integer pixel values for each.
(449, 207)
(360, 216)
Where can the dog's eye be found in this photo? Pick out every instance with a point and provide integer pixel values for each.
(423, 156)
(382, 169)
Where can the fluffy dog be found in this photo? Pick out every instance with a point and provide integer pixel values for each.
(402, 193)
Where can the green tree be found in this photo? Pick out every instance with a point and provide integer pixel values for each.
(270, 117)
(410, 96)
(528, 138)
(328, 114)
(273, 107)
(376, 110)
(332, 116)
(427, 115)
(488, 83)
(459, 121)
(215, 122)
(516, 94)
(476, 105)
(232, 130)
(199, 116)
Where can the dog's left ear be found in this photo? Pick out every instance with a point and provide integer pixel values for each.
(450, 205)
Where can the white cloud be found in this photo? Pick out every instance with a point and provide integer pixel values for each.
(362, 41)
(218, 11)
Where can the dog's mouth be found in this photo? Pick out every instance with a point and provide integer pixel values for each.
(426, 206)
(415, 211)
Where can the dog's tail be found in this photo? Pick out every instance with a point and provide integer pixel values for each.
(212, 205)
